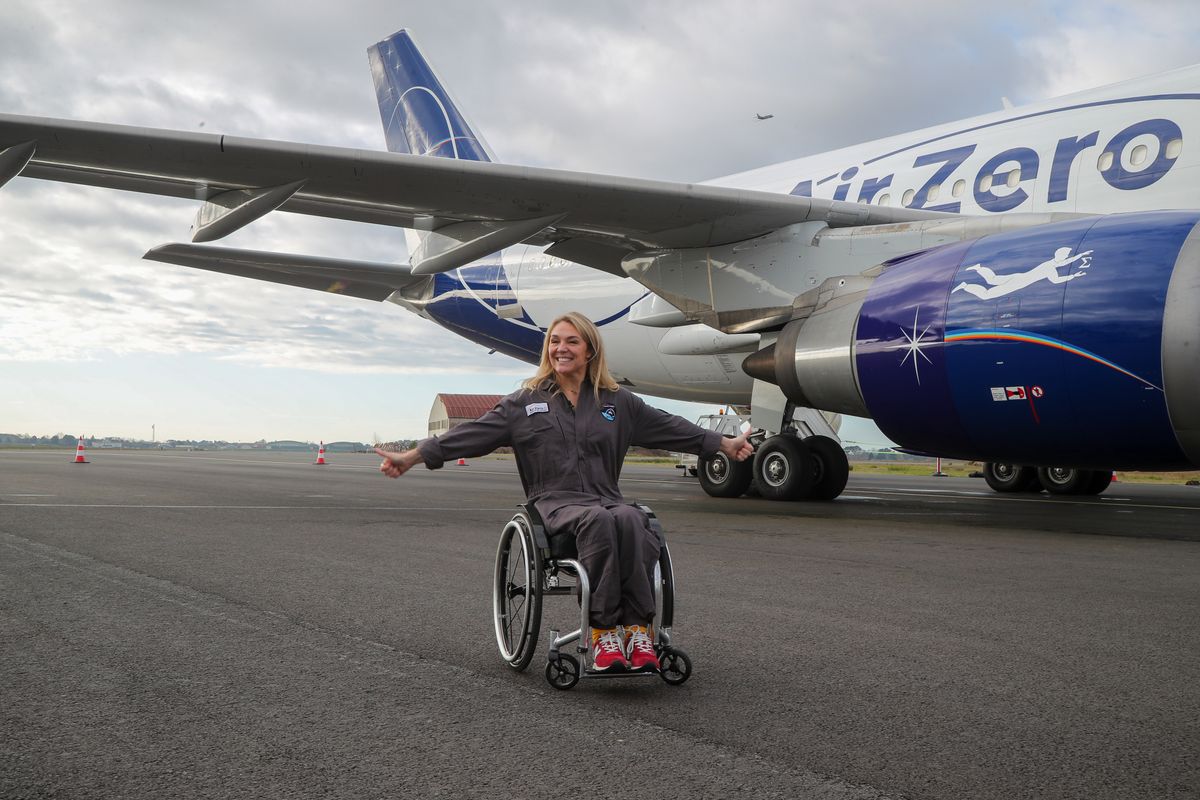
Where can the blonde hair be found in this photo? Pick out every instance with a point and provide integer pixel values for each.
(597, 368)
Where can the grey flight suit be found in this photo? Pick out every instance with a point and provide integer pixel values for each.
(569, 460)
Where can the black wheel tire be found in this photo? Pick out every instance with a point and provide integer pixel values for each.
(517, 593)
(1101, 478)
(674, 666)
(721, 476)
(830, 466)
(1064, 480)
(783, 469)
(666, 614)
(1005, 477)
(563, 672)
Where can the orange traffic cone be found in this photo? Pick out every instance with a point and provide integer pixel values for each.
(320, 462)
(1114, 479)
(462, 462)
(79, 459)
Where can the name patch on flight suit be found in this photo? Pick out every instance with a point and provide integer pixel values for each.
(536, 408)
(609, 412)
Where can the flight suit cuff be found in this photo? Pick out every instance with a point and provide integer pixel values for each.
(712, 443)
(431, 453)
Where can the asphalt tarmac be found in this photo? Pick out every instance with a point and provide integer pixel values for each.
(228, 624)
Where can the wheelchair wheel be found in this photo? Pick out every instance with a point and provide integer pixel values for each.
(517, 593)
(562, 672)
(675, 666)
(666, 614)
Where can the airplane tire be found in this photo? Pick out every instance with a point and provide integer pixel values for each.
(721, 476)
(783, 469)
(1064, 480)
(1101, 478)
(1004, 477)
(830, 466)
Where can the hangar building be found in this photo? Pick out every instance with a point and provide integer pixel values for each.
(453, 409)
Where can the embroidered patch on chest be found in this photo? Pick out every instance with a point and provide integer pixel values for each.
(609, 412)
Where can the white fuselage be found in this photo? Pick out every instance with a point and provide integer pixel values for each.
(1119, 148)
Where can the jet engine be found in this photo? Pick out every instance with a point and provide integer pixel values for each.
(1074, 342)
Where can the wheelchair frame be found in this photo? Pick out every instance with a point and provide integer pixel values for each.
(531, 565)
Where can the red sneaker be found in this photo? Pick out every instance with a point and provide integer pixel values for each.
(640, 648)
(607, 653)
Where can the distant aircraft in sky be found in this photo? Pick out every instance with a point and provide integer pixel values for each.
(824, 284)
(765, 116)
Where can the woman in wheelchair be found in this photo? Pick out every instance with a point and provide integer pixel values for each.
(570, 426)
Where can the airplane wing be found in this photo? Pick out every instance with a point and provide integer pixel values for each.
(368, 280)
(240, 179)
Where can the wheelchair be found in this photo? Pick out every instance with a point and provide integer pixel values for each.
(531, 565)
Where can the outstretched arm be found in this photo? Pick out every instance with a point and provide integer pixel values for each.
(396, 464)
(658, 429)
(1056, 278)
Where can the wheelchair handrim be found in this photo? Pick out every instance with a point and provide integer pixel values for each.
(501, 595)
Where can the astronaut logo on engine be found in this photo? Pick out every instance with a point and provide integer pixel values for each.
(994, 285)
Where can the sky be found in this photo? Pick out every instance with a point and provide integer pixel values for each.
(95, 340)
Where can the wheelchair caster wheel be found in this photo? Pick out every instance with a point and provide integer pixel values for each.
(675, 666)
(563, 672)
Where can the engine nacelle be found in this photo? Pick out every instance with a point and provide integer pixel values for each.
(1074, 343)
(812, 358)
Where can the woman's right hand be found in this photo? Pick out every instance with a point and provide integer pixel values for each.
(738, 448)
(396, 464)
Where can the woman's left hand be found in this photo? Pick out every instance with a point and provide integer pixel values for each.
(739, 448)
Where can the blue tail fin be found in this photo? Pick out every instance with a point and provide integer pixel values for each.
(419, 117)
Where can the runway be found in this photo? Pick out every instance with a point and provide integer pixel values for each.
(245, 624)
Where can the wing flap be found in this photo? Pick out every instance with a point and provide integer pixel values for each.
(459, 244)
(365, 279)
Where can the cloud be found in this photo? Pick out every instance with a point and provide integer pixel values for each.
(662, 90)
(77, 289)
(1102, 43)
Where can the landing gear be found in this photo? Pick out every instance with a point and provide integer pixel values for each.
(1005, 477)
(721, 476)
(803, 461)
(1064, 480)
(1101, 478)
(831, 468)
(789, 468)
(783, 468)
(1068, 480)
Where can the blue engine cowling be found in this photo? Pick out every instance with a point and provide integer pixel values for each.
(1075, 344)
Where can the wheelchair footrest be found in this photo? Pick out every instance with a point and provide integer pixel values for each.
(589, 673)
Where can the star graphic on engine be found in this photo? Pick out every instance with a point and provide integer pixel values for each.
(916, 341)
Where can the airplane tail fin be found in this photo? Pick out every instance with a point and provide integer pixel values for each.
(419, 116)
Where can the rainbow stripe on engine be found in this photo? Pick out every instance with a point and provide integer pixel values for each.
(995, 335)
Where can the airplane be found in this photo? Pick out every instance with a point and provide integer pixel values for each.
(1017, 288)
(764, 116)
